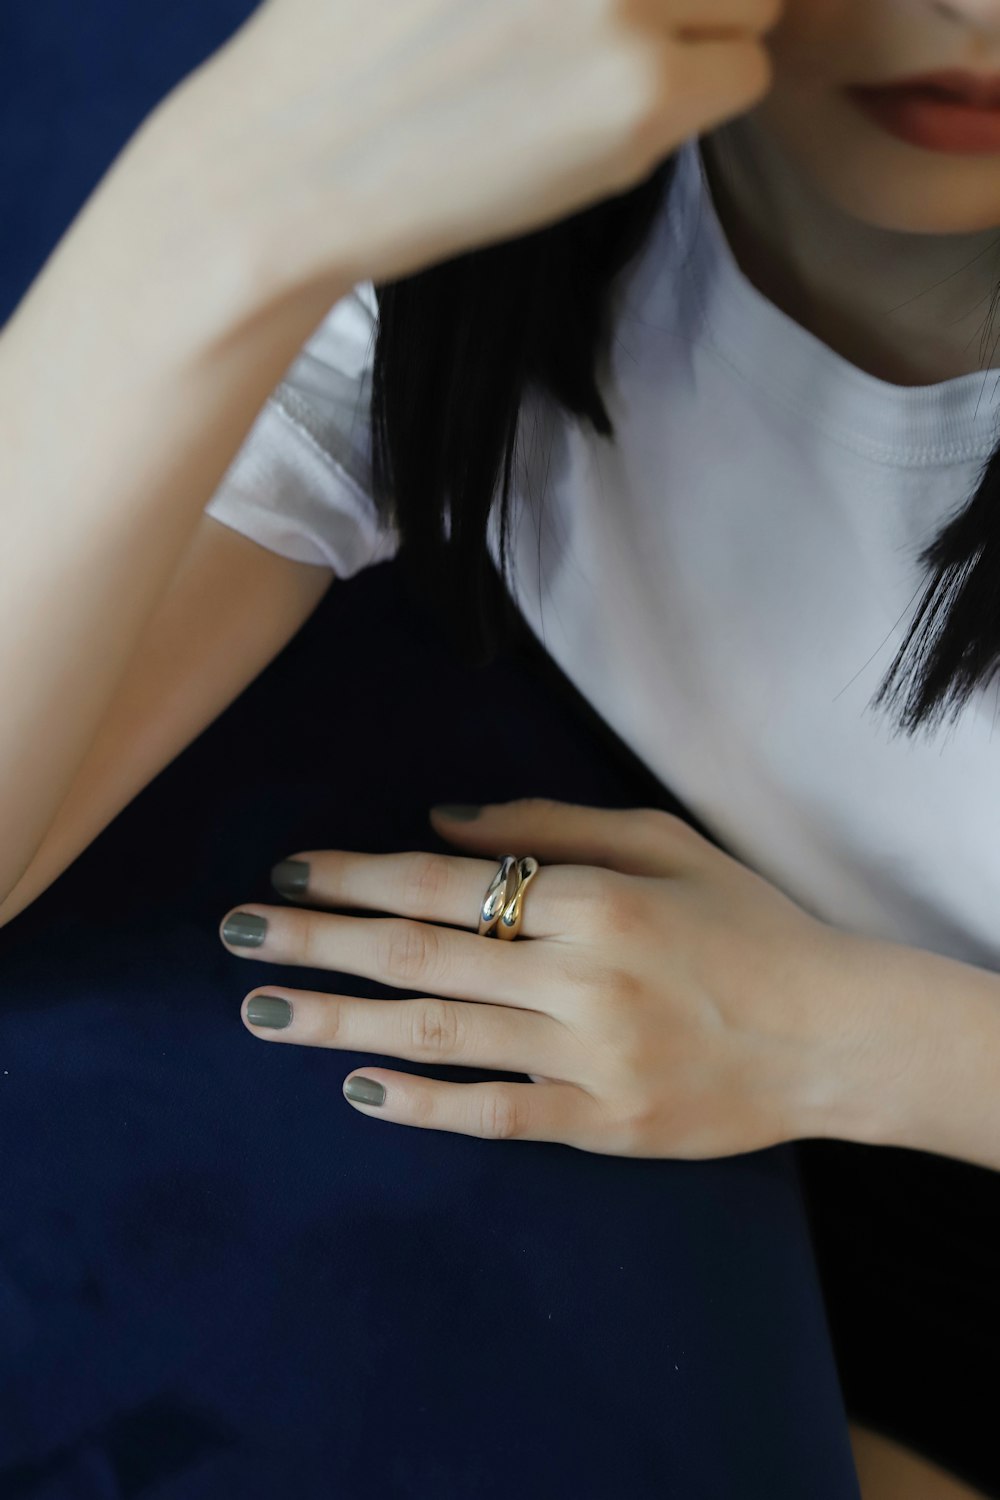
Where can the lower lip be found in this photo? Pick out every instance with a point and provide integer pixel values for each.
(936, 124)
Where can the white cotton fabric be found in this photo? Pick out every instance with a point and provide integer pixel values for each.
(727, 584)
(301, 483)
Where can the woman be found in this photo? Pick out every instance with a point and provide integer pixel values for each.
(728, 649)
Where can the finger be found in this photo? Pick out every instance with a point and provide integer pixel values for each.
(416, 956)
(444, 888)
(557, 1112)
(723, 15)
(425, 1029)
(631, 841)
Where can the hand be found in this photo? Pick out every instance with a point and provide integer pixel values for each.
(349, 142)
(666, 1000)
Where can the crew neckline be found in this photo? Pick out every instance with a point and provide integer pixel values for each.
(951, 422)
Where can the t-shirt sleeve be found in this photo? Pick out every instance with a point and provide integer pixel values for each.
(300, 485)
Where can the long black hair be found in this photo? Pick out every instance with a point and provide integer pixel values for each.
(456, 347)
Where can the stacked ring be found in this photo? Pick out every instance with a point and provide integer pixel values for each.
(502, 908)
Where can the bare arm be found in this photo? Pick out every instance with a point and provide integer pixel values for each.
(925, 1075)
(322, 145)
(130, 374)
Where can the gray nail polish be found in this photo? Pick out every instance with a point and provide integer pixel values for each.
(269, 1010)
(245, 930)
(463, 812)
(364, 1091)
(290, 876)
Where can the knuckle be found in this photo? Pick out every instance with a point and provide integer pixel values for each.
(434, 1028)
(672, 826)
(607, 1132)
(425, 880)
(623, 912)
(406, 951)
(585, 973)
(634, 1130)
(628, 1064)
(333, 1023)
(502, 1117)
(608, 987)
(670, 822)
(623, 988)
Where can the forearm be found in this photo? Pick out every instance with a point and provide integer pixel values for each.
(129, 376)
(926, 1073)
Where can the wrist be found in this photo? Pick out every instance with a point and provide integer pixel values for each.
(169, 264)
(870, 1066)
(943, 1101)
(920, 1054)
(214, 208)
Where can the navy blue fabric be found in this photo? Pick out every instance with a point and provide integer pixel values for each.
(217, 1279)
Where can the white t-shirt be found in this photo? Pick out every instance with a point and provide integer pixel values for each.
(728, 585)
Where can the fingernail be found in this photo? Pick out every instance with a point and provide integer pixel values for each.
(269, 1010)
(364, 1091)
(461, 812)
(290, 876)
(244, 929)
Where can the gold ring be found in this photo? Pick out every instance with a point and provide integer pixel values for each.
(503, 905)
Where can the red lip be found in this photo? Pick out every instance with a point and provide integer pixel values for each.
(931, 121)
(980, 89)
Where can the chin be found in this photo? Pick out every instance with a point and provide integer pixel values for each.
(882, 181)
